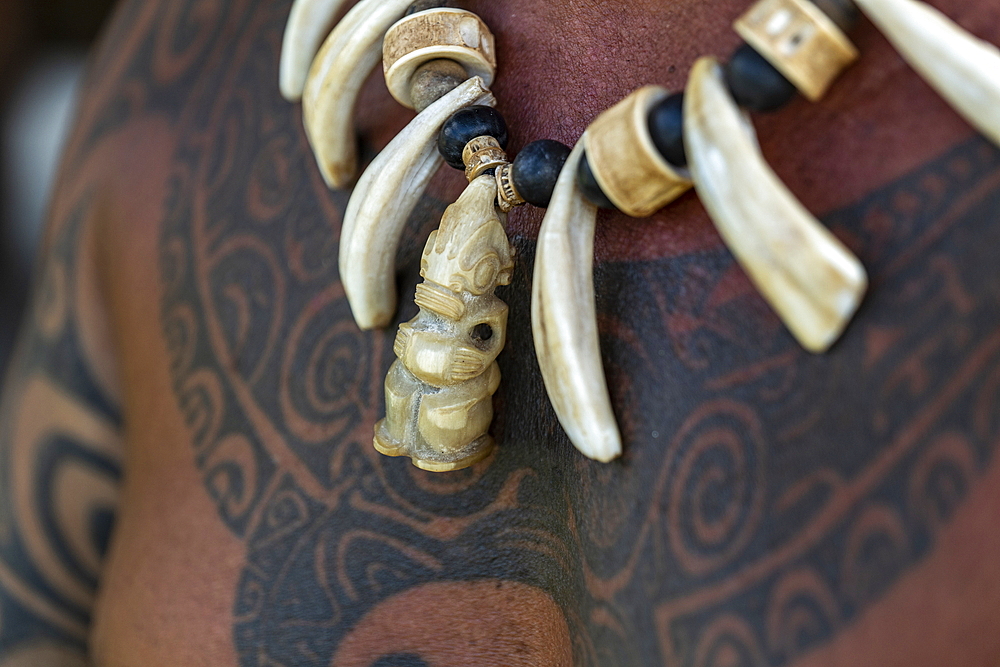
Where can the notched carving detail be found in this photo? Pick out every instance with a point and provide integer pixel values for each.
(438, 393)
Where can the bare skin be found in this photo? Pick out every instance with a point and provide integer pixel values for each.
(190, 338)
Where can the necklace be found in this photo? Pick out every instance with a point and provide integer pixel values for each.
(637, 156)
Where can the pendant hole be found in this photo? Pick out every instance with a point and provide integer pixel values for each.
(482, 332)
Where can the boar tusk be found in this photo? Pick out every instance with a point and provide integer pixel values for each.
(308, 23)
(564, 319)
(813, 282)
(345, 60)
(382, 202)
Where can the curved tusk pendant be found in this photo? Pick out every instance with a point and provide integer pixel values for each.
(340, 68)
(964, 69)
(382, 202)
(438, 392)
(308, 23)
(813, 282)
(564, 319)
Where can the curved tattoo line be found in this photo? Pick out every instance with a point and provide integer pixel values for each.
(798, 583)
(48, 611)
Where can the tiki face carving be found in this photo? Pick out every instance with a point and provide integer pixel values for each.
(439, 390)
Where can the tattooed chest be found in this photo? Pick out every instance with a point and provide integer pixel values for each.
(767, 496)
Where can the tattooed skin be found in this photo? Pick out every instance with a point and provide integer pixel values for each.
(767, 500)
(60, 464)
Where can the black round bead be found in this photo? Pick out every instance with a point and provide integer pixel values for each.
(587, 182)
(666, 128)
(755, 83)
(464, 126)
(536, 169)
(843, 12)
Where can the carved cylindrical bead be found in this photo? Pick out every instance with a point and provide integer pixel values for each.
(482, 154)
(507, 195)
(440, 33)
(801, 41)
(624, 160)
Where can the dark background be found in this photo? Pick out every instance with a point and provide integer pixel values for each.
(43, 51)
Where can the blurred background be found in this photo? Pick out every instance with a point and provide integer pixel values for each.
(43, 52)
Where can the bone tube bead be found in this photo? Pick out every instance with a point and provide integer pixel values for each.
(625, 161)
(802, 43)
(434, 34)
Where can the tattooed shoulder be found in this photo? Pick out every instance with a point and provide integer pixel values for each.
(60, 464)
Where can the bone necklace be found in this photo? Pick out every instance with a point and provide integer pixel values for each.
(637, 156)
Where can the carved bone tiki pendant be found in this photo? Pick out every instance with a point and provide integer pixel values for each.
(439, 391)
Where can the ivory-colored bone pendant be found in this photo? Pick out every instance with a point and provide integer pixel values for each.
(807, 275)
(438, 393)
(964, 69)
